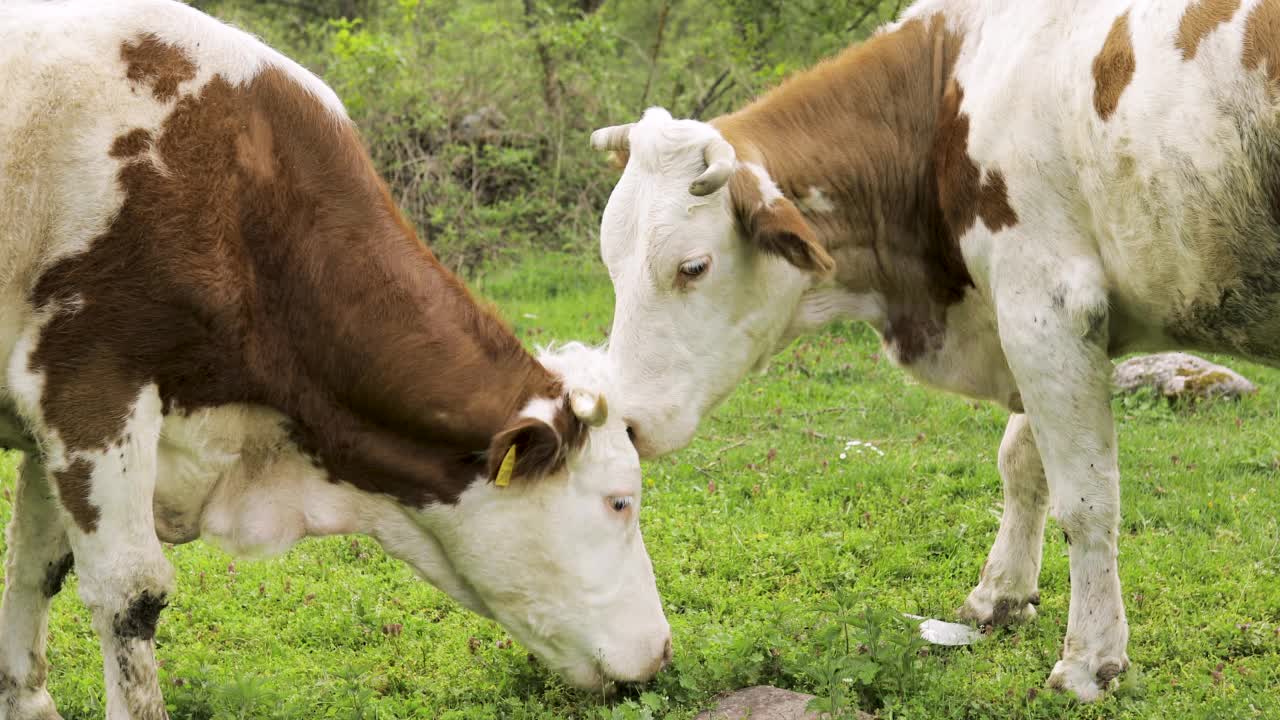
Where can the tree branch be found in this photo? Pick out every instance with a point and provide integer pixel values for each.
(550, 80)
(657, 49)
(870, 8)
(712, 95)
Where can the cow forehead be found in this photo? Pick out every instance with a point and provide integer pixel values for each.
(607, 455)
(652, 217)
(666, 146)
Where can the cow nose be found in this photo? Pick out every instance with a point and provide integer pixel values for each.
(661, 663)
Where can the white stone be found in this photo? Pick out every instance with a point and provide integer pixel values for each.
(1180, 375)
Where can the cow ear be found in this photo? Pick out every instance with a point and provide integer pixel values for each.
(781, 230)
(776, 226)
(527, 449)
(530, 448)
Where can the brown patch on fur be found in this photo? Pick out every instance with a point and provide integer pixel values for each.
(963, 194)
(540, 448)
(862, 126)
(1262, 39)
(132, 143)
(73, 491)
(158, 64)
(253, 148)
(1199, 20)
(275, 270)
(1113, 68)
(777, 228)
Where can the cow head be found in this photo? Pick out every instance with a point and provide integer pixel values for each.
(549, 543)
(708, 262)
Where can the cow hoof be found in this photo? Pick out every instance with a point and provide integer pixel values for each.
(996, 612)
(1087, 680)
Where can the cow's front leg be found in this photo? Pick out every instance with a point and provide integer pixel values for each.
(1053, 326)
(1008, 589)
(124, 577)
(38, 560)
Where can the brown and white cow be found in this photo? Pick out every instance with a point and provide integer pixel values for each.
(1011, 193)
(214, 322)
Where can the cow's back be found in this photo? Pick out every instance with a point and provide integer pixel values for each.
(90, 88)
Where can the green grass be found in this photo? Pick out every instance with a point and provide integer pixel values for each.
(752, 530)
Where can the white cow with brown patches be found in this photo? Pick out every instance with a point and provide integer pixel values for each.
(214, 323)
(1010, 193)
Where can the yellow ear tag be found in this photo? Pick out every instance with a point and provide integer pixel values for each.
(505, 469)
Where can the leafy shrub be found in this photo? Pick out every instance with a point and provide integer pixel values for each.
(869, 653)
(478, 113)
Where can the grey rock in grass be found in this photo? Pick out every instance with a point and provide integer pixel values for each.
(763, 702)
(1181, 376)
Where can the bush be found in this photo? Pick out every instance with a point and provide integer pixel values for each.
(478, 113)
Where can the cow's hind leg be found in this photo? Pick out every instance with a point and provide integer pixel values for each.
(124, 577)
(38, 559)
(1008, 589)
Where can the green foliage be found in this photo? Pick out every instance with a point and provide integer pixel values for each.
(478, 113)
(867, 654)
(769, 550)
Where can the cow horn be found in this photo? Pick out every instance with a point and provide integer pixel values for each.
(590, 407)
(720, 159)
(616, 137)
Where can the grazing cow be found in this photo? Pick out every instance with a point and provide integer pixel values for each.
(1010, 193)
(214, 322)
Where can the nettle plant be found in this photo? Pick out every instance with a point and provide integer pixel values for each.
(866, 654)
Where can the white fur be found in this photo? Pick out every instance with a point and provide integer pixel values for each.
(121, 560)
(1123, 225)
(769, 191)
(815, 201)
(1011, 575)
(540, 408)
(36, 542)
(551, 558)
(672, 371)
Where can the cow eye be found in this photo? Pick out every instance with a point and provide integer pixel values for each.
(692, 269)
(620, 503)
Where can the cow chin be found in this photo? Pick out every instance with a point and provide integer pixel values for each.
(584, 676)
(601, 674)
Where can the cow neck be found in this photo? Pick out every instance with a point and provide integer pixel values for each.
(415, 377)
(860, 129)
(257, 258)
(394, 377)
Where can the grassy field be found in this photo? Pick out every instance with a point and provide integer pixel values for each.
(756, 531)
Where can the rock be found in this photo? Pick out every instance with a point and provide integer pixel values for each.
(763, 702)
(484, 124)
(1181, 376)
